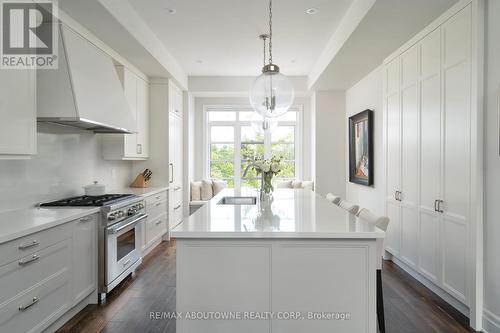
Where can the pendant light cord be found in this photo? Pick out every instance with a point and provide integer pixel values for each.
(270, 31)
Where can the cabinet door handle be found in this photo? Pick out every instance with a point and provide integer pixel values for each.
(400, 196)
(85, 219)
(177, 207)
(436, 206)
(177, 188)
(139, 148)
(29, 245)
(396, 195)
(125, 263)
(159, 222)
(171, 173)
(439, 206)
(158, 204)
(33, 258)
(27, 306)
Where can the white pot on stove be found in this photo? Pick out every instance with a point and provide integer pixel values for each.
(95, 189)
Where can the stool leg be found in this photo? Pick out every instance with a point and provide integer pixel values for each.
(380, 303)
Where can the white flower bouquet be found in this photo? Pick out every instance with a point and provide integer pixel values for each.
(267, 169)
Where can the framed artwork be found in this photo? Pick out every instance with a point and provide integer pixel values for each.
(361, 148)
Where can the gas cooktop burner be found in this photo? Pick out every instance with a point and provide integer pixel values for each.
(88, 201)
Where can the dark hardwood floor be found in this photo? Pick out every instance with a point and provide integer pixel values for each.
(409, 306)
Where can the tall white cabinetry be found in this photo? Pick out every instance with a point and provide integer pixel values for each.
(131, 146)
(428, 152)
(175, 155)
(18, 113)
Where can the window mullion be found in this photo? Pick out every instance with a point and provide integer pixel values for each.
(267, 145)
(237, 156)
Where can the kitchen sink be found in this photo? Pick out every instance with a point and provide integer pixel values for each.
(238, 201)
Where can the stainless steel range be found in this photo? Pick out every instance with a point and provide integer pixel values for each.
(120, 231)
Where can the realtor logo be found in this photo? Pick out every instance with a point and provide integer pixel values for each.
(29, 34)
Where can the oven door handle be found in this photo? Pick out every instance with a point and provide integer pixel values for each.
(127, 224)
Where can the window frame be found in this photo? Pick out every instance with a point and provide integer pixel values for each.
(238, 124)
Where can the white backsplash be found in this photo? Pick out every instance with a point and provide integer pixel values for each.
(67, 159)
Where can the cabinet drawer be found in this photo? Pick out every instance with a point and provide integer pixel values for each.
(152, 199)
(156, 228)
(34, 310)
(156, 209)
(24, 273)
(27, 245)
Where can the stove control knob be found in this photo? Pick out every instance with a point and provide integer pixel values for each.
(111, 217)
(120, 213)
(131, 211)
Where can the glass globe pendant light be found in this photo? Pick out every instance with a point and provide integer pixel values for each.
(272, 93)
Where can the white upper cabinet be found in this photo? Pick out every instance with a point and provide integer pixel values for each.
(18, 113)
(131, 146)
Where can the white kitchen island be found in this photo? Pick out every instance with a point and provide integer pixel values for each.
(299, 264)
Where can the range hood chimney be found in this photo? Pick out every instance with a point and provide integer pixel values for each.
(85, 90)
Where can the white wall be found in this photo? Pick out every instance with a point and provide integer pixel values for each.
(67, 159)
(367, 94)
(492, 168)
(330, 141)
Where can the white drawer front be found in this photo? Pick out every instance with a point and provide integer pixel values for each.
(152, 199)
(26, 245)
(156, 209)
(37, 308)
(156, 228)
(27, 271)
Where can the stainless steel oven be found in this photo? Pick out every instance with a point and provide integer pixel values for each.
(123, 247)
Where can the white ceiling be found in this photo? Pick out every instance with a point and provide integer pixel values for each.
(222, 34)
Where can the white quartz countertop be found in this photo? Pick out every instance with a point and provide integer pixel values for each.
(19, 223)
(292, 214)
(139, 191)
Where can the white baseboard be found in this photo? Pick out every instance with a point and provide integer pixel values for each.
(491, 322)
(435, 289)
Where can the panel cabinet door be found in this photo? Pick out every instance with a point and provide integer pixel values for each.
(130, 89)
(18, 112)
(393, 129)
(409, 155)
(393, 154)
(456, 37)
(430, 157)
(175, 149)
(84, 279)
(142, 148)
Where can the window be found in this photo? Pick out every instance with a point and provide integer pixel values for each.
(232, 141)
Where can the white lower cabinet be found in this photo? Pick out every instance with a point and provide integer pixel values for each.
(84, 244)
(156, 224)
(47, 273)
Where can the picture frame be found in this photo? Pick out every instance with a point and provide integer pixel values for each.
(361, 165)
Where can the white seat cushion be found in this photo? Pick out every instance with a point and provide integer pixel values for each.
(218, 185)
(284, 184)
(207, 192)
(195, 191)
(308, 185)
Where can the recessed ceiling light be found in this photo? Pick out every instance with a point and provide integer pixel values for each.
(293, 61)
(312, 11)
(171, 10)
(199, 61)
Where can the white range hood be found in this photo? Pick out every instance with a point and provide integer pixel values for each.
(85, 90)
